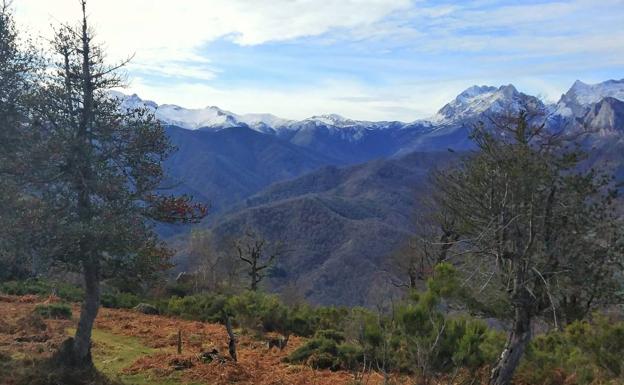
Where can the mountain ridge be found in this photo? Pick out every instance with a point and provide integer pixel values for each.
(470, 102)
(342, 192)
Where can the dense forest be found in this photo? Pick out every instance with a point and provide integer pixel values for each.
(514, 273)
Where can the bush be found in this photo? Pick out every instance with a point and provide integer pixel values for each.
(305, 320)
(120, 300)
(589, 352)
(65, 291)
(54, 310)
(330, 334)
(320, 353)
(430, 342)
(179, 289)
(201, 307)
(327, 350)
(259, 312)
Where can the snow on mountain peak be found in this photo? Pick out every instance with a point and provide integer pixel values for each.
(208, 117)
(333, 120)
(195, 118)
(474, 91)
(477, 100)
(579, 98)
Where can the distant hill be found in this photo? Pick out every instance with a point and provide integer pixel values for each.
(296, 180)
(338, 224)
(226, 166)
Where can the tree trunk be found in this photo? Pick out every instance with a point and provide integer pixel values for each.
(81, 349)
(254, 277)
(514, 349)
(232, 342)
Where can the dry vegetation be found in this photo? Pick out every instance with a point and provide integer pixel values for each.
(151, 343)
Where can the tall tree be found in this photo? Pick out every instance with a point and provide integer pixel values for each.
(104, 164)
(542, 233)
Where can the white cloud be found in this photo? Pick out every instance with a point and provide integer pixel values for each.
(162, 29)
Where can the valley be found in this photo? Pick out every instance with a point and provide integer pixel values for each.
(331, 188)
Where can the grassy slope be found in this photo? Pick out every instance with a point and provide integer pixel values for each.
(112, 353)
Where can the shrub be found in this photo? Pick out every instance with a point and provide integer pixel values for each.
(330, 334)
(327, 350)
(322, 361)
(120, 300)
(350, 356)
(590, 352)
(54, 310)
(65, 291)
(202, 307)
(179, 289)
(259, 312)
(471, 344)
(323, 352)
(305, 320)
(435, 343)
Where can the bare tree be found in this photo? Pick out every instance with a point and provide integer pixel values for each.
(258, 254)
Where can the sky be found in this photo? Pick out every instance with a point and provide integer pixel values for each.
(363, 59)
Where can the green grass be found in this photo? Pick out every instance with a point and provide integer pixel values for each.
(112, 353)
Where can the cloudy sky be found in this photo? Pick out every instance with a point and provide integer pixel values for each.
(364, 59)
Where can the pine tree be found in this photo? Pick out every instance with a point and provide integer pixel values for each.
(103, 165)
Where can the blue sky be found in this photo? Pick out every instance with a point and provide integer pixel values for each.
(365, 59)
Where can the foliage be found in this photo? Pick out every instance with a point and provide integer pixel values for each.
(203, 307)
(67, 292)
(120, 300)
(259, 312)
(431, 342)
(54, 310)
(589, 352)
(416, 337)
(327, 350)
(305, 320)
(41, 287)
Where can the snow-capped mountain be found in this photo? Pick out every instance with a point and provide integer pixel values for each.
(472, 103)
(479, 100)
(338, 121)
(581, 96)
(209, 117)
(350, 141)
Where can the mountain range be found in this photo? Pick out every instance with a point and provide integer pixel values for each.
(342, 193)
